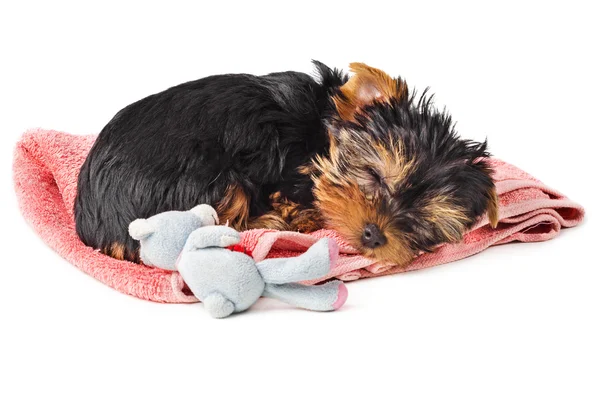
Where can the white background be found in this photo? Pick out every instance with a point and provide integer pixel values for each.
(516, 320)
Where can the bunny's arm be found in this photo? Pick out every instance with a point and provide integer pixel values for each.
(314, 263)
(211, 236)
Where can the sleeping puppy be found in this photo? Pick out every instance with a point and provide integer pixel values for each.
(357, 154)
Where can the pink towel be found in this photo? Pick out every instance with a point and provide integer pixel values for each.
(46, 165)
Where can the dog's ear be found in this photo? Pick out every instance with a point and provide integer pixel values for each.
(492, 209)
(365, 87)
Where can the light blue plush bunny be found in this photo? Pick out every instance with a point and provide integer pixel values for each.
(227, 281)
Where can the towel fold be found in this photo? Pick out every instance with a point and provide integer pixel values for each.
(46, 165)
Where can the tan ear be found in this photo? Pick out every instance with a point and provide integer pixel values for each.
(492, 210)
(366, 86)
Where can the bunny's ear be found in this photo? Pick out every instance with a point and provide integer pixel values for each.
(140, 229)
(207, 214)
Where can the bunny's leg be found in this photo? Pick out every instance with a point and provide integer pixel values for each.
(314, 263)
(217, 305)
(326, 297)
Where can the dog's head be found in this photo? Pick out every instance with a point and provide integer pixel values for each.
(397, 180)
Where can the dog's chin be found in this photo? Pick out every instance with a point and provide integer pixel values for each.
(393, 255)
(395, 252)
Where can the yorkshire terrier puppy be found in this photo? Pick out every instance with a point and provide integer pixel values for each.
(360, 155)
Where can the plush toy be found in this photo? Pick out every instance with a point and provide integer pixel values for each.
(226, 278)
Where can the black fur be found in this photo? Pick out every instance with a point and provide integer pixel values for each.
(185, 145)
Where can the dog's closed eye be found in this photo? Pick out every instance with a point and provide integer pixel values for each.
(375, 175)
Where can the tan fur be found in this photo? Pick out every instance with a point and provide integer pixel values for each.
(447, 217)
(492, 211)
(234, 207)
(270, 220)
(307, 220)
(390, 164)
(117, 251)
(287, 215)
(366, 86)
(348, 211)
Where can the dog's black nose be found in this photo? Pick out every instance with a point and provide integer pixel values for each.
(372, 236)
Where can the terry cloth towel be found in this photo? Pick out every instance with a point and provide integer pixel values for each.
(46, 165)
